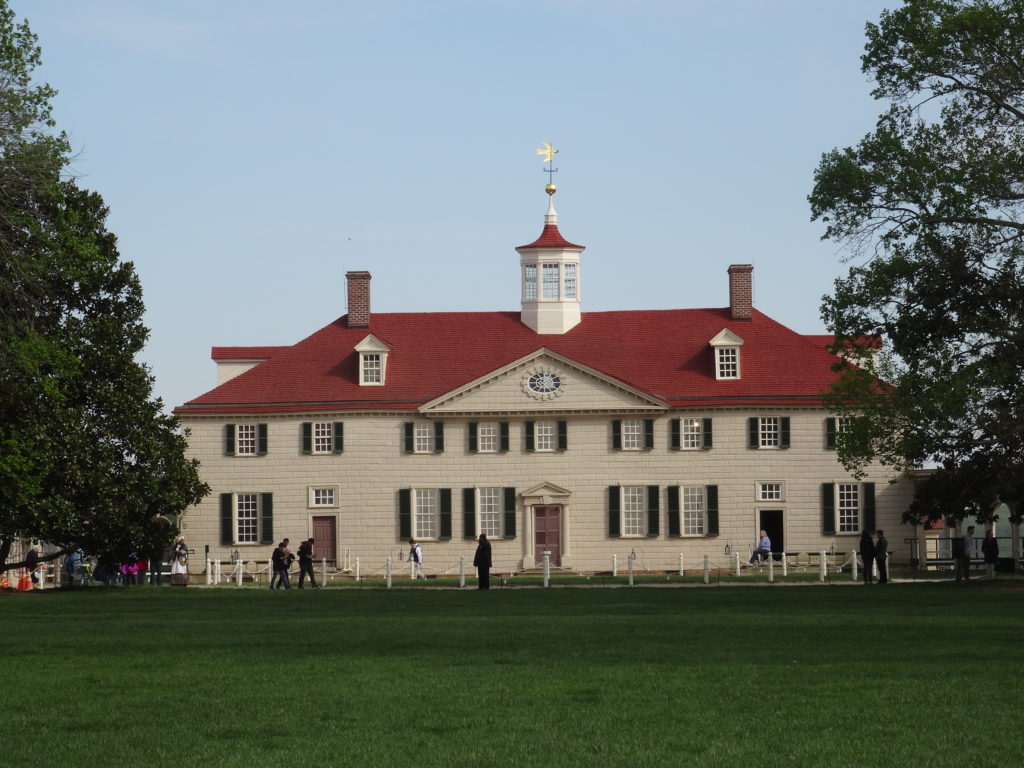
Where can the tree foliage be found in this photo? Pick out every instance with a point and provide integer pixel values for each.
(931, 205)
(87, 457)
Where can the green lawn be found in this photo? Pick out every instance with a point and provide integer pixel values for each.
(906, 674)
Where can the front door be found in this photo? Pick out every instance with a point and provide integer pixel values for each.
(547, 536)
(325, 531)
(771, 523)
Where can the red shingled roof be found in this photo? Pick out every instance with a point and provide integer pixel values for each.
(661, 352)
(244, 353)
(550, 237)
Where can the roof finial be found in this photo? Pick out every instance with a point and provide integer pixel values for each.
(548, 152)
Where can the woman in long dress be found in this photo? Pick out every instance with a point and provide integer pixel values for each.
(179, 563)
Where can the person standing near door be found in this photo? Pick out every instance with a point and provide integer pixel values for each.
(882, 557)
(482, 562)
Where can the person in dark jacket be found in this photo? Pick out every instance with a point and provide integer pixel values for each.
(482, 562)
(867, 555)
(306, 563)
(990, 551)
(882, 557)
(279, 561)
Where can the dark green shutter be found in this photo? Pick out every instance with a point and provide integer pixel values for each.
(711, 506)
(706, 433)
(227, 523)
(261, 445)
(677, 441)
(868, 489)
(307, 437)
(673, 510)
(653, 510)
(469, 513)
(784, 432)
(266, 518)
(339, 437)
(563, 435)
(830, 433)
(472, 437)
(528, 436)
(616, 434)
(444, 496)
(410, 443)
(439, 438)
(404, 513)
(828, 509)
(648, 434)
(229, 439)
(752, 433)
(614, 523)
(510, 513)
(503, 433)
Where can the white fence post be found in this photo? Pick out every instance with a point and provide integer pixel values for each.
(547, 568)
(387, 570)
(462, 571)
(737, 563)
(824, 566)
(853, 557)
(682, 570)
(771, 568)
(209, 572)
(629, 568)
(357, 569)
(707, 569)
(615, 565)
(785, 565)
(323, 571)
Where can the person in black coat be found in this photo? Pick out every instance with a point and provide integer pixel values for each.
(306, 563)
(482, 562)
(990, 550)
(867, 555)
(881, 557)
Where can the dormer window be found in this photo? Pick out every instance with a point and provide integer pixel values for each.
(373, 357)
(727, 355)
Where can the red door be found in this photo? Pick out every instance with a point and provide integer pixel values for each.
(325, 531)
(547, 537)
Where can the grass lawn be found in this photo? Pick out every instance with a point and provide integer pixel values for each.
(903, 674)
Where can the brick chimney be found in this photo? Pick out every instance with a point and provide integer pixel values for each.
(741, 291)
(358, 299)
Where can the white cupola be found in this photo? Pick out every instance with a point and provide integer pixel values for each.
(550, 278)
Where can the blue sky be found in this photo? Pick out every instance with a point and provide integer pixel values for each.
(252, 152)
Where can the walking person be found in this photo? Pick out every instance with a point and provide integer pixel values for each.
(306, 563)
(280, 562)
(967, 549)
(482, 562)
(416, 558)
(867, 555)
(990, 551)
(882, 557)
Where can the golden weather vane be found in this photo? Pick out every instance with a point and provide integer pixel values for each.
(548, 152)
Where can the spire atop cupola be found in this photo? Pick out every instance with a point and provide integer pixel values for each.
(550, 270)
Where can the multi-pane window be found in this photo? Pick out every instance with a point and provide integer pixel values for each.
(848, 507)
(425, 513)
(247, 517)
(487, 435)
(634, 510)
(569, 281)
(769, 491)
(530, 281)
(549, 281)
(245, 440)
(632, 434)
(423, 437)
(768, 432)
(373, 368)
(728, 362)
(489, 512)
(691, 434)
(692, 510)
(323, 437)
(546, 436)
(324, 497)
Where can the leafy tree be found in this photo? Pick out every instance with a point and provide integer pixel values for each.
(931, 206)
(87, 457)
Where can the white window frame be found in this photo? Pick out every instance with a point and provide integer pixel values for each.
(849, 507)
(489, 511)
(570, 280)
(316, 496)
(769, 432)
(530, 282)
(371, 369)
(691, 434)
(727, 363)
(246, 439)
(692, 510)
(633, 503)
(488, 437)
(423, 437)
(545, 436)
(322, 433)
(631, 435)
(550, 281)
(426, 514)
(771, 491)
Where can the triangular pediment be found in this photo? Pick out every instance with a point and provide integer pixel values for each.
(726, 338)
(372, 344)
(546, 493)
(544, 381)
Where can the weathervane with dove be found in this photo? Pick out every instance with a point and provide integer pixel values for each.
(548, 152)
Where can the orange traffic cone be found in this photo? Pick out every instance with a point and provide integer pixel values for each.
(3, 581)
(23, 582)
